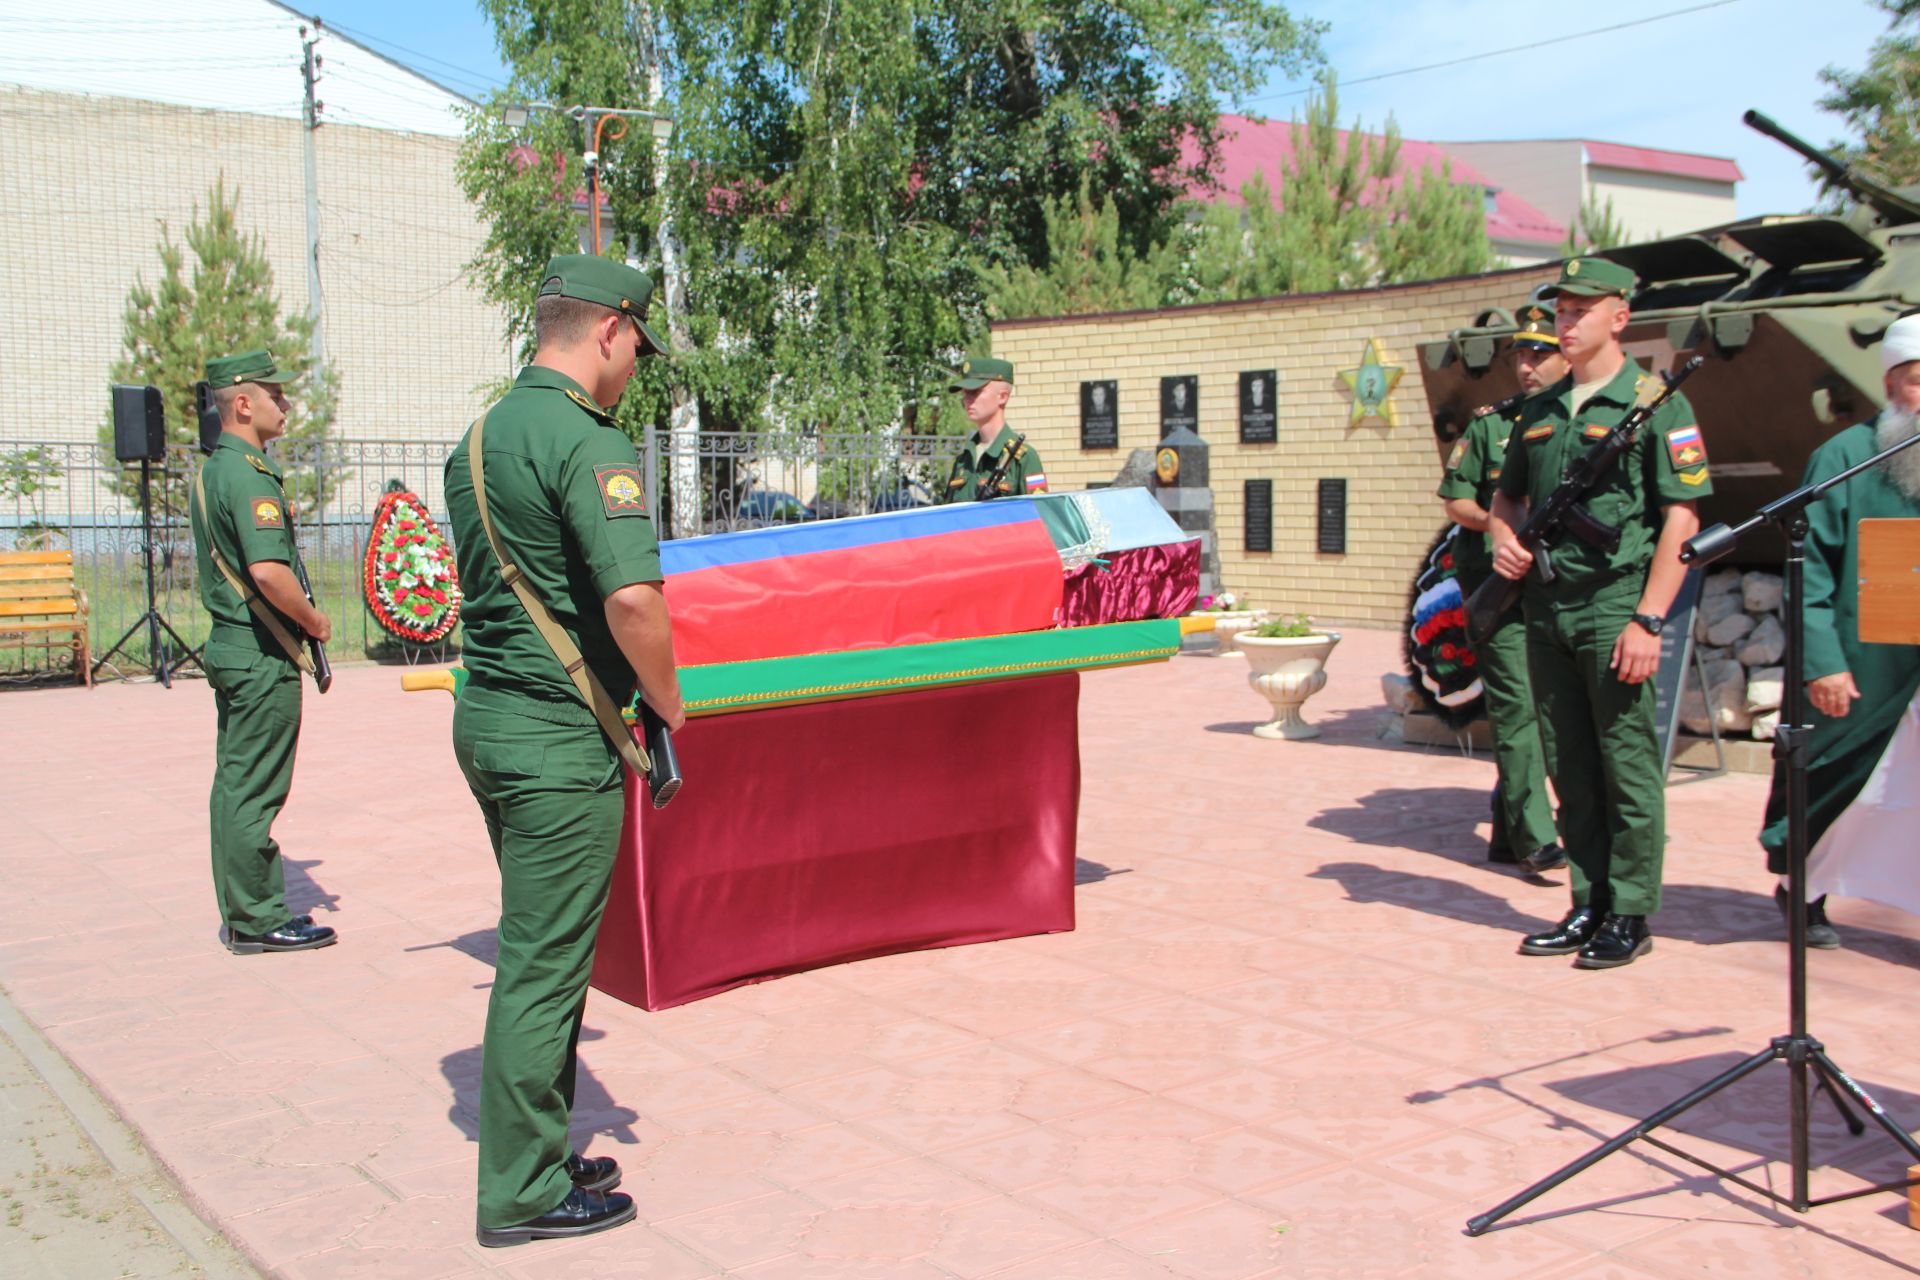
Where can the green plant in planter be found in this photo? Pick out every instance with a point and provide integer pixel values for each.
(1286, 627)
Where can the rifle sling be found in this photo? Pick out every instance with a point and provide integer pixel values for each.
(243, 588)
(605, 710)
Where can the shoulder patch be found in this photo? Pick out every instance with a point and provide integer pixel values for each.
(620, 490)
(1038, 480)
(267, 515)
(1540, 432)
(1594, 431)
(956, 482)
(1459, 452)
(1685, 447)
(1693, 477)
(1493, 473)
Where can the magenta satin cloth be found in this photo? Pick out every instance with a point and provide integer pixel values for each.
(1147, 582)
(810, 835)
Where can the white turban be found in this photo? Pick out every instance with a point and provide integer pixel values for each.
(1901, 342)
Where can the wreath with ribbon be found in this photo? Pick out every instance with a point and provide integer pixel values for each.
(410, 583)
(1439, 656)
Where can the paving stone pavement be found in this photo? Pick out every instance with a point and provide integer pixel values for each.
(1289, 1037)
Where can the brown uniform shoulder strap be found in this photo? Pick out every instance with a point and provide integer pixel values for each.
(242, 587)
(605, 710)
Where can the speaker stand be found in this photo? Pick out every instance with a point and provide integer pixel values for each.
(152, 620)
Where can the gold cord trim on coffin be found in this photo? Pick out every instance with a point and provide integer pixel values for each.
(857, 685)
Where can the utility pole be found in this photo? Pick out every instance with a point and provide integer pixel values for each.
(310, 110)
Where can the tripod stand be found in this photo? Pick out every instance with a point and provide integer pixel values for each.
(157, 652)
(1806, 1058)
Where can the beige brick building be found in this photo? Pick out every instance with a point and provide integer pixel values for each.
(1391, 470)
(91, 179)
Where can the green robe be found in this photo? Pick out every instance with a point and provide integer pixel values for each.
(1844, 751)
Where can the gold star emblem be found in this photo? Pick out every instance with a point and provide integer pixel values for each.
(1372, 385)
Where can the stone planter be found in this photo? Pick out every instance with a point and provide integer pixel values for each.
(1228, 623)
(1286, 671)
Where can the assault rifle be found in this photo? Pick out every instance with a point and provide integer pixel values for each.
(990, 484)
(322, 669)
(1561, 512)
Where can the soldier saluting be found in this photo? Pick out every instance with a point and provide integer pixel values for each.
(247, 562)
(1593, 633)
(995, 462)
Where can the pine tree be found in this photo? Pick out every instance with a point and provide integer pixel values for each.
(1091, 268)
(1595, 227)
(1881, 104)
(223, 304)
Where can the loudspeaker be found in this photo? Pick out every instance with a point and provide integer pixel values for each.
(139, 424)
(209, 417)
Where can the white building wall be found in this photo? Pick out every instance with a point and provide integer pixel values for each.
(1652, 205)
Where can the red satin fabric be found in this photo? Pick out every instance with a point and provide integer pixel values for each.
(810, 835)
(950, 586)
(1147, 582)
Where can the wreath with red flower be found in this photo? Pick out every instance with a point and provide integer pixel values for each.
(410, 583)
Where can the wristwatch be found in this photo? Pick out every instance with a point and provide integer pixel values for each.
(1651, 622)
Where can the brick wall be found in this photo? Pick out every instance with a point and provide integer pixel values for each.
(1390, 471)
(89, 179)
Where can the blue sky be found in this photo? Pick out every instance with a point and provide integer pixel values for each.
(1679, 82)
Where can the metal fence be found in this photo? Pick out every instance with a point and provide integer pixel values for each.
(79, 497)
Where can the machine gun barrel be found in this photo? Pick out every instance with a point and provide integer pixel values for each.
(1889, 204)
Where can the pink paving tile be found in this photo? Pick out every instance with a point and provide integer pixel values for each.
(1100, 1261)
(1222, 1241)
(989, 1235)
(633, 1250)
(744, 1233)
(799, 1266)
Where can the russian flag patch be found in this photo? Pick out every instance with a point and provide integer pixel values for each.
(1038, 480)
(1685, 448)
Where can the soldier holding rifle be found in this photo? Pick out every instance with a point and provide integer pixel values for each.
(995, 463)
(249, 573)
(1593, 632)
(1523, 816)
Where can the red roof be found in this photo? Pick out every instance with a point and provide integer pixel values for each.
(1247, 146)
(1684, 164)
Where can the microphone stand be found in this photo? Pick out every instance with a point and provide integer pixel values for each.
(1806, 1057)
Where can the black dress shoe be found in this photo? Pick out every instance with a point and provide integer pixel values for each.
(1548, 857)
(294, 935)
(581, 1214)
(595, 1173)
(1619, 940)
(1820, 931)
(1565, 938)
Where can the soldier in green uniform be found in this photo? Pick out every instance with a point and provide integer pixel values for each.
(1593, 634)
(985, 385)
(564, 496)
(1523, 816)
(245, 552)
(1859, 691)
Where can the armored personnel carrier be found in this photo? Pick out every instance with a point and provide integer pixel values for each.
(1787, 311)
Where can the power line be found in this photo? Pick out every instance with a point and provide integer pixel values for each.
(1518, 48)
(477, 77)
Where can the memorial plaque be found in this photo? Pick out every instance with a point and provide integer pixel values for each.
(1259, 420)
(1259, 512)
(1332, 509)
(1100, 415)
(1179, 404)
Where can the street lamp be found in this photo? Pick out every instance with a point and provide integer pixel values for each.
(594, 121)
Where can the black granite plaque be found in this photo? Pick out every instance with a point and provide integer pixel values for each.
(1099, 415)
(1332, 508)
(1259, 421)
(1179, 404)
(1259, 511)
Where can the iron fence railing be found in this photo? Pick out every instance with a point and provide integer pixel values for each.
(80, 497)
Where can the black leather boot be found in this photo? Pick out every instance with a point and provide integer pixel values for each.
(1820, 931)
(1619, 940)
(299, 934)
(1548, 857)
(592, 1173)
(581, 1214)
(1566, 937)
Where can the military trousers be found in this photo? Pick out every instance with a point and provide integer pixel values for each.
(257, 699)
(1524, 820)
(550, 789)
(1603, 753)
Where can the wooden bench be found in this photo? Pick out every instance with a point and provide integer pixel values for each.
(42, 605)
